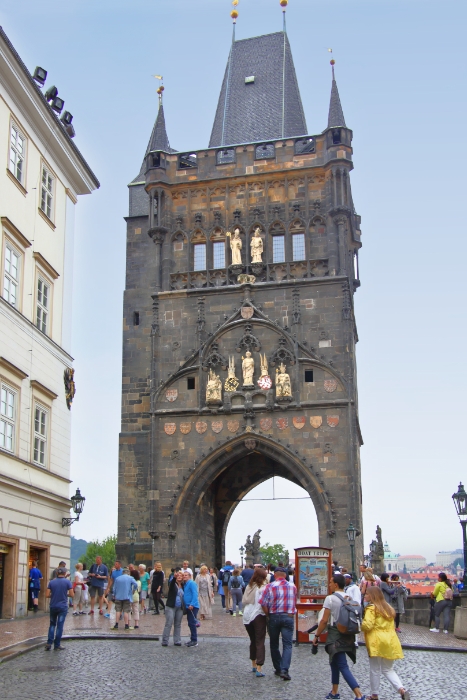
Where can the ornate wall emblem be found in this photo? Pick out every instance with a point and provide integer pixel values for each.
(299, 422)
(171, 394)
(330, 385)
(185, 428)
(265, 382)
(250, 444)
(333, 421)
(217, 426)
(170, 428)
(201, 427)
(265, 423)
(70, 387)
(282, 423)
(231, 383)
(247, 311)
(233, 426)
(316, 421)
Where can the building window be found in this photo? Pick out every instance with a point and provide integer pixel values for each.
(43, 305)
(190, 383)
(7, 418)
(11, 275)
(47, 192)
(17, 153)
(40, 435)
(298, 245)
(199, 256)
(308, 376)
(278, 249)
(218, 250)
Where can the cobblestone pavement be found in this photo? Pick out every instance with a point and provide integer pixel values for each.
(217, 668)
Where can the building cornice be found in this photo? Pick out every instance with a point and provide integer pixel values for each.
(15, 232)
(47, 266)
(43, 389)
(10, 367)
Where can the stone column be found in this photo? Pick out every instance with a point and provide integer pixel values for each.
(158, 234)
(340, 222)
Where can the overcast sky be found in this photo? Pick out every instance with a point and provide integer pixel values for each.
(400, 67)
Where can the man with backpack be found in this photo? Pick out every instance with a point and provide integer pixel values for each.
(224, 574)
(342, 616)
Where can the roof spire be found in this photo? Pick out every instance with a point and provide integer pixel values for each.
(336, 114)
(234, 15)
(159, 140)
(283, 4)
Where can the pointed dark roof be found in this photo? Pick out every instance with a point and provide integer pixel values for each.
(336, 114)
(268, 108)
(159, 141)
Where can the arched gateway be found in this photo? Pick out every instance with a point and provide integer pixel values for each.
(239, 332)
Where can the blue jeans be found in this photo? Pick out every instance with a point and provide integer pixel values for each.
(281, 624)
(57, 620)
(339, 665)
(191, 619)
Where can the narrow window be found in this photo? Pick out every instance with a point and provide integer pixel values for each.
(11, 275)
(7, 418)
(47, 192)
(190, 383)
(199, 256)
(136, 318)
(336, 136)
(308, 376)
(17, 151)
(42, 306)
(218, 249)
(278, 249)
(40, 435)
(298, 244)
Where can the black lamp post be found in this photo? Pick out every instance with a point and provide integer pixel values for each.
(132, 530)
(77, 503)
(242, 549)
(460, 503)
(351, 534)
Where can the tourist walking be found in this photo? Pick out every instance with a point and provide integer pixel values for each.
(254, 620)
(338, 645)
(174, 610)
(58, 590)
(389, 592)
(116, 572)
(214, 580)
(185, 567)
(443, 596)
(398, 602)
(247, 575)
(382, 642)
(136, 598)
(220, 590)
(235, 587)
(367, 581)
(156, 587)
(278, 600)
(190, 598)
(352, 589)
(35, 577)
(61, 565)
(205, 593)
(124, 587)
(78, 588)
(225, 574)
(144, 578)
(98, 580)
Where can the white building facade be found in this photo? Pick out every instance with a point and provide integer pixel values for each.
(42, 176)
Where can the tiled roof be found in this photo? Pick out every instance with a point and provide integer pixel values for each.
(159, 141)
(267, 107)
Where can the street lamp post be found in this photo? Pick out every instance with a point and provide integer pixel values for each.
(460, 503)
(132, 530)
(242, 550)
(351, 534)
(77, 503)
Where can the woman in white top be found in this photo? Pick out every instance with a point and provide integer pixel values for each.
(254, 620)
(205, 593)
(78, 585)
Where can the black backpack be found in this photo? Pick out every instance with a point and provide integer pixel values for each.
(350, 616)
(235, 582)
(226, 577)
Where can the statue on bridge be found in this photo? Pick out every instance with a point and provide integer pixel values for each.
(256, 547)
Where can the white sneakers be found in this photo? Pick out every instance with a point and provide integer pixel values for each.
(433, 629)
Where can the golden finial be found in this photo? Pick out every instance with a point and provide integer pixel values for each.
(234, 13)
(161, 87)
(284, 3)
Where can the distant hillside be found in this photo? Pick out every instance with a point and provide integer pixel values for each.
(78, 550)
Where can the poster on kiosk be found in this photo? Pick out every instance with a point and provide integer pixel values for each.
(313, 572)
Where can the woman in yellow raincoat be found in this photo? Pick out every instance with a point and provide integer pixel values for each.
(382, 642)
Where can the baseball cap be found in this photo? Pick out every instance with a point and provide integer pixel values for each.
(125, 568)
(347, 575)
(280, 568)
(61, 571)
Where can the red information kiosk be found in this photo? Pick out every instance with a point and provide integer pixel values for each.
(313, 572)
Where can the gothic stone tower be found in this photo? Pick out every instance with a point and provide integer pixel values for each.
(192, 443)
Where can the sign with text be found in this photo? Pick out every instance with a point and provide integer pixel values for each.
(313, 571)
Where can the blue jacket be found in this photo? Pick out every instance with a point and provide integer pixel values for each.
(190, 594)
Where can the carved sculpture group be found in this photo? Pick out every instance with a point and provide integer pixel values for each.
(256, 247)
(231, 384)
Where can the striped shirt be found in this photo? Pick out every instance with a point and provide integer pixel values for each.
(279, 597)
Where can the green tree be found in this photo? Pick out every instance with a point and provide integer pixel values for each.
(105, 549)
(274, 553)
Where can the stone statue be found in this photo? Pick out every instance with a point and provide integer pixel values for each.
(231, 383)
(256, 546)
(264, 365)
(248, 368)
(214, 388)
(256, 245)
(283, 386)
(248, 547)
(236, 247)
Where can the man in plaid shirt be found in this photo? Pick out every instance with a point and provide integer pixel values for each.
(278, 602)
